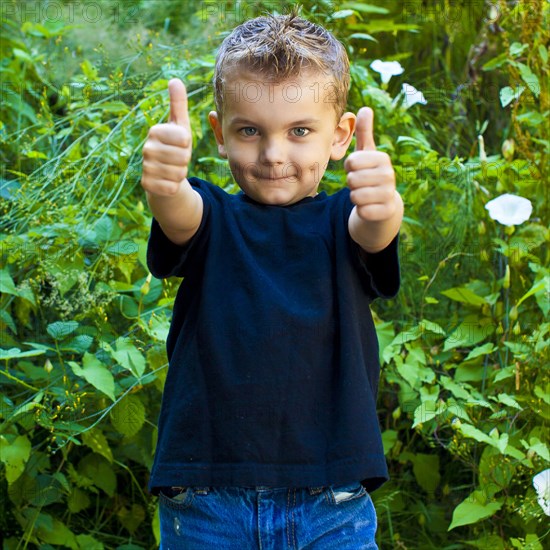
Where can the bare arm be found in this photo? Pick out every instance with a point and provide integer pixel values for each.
(374, 236)
(378, 212)
(166, 155)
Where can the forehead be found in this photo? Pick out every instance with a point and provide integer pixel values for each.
(313, 91)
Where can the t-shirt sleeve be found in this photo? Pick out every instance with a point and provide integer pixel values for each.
(379, 272)
(167, 259)
(382, 269)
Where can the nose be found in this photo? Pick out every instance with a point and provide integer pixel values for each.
(272, 152)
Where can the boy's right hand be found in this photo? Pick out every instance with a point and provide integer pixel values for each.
(167, 151)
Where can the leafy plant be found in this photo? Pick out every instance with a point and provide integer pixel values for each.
(464, 392)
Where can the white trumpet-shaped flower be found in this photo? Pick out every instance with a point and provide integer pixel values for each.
(412, 95)
(387, 69)
(510, 209)
(541, 483)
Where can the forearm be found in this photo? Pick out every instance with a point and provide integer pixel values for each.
(374, 236)
(179, 215)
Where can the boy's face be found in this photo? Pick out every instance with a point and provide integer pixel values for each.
(279, 137)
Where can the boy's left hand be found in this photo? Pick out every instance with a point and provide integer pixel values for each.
(370, 174)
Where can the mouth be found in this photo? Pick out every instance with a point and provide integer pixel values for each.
(271, 178)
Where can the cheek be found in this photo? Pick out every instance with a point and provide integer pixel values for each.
(240, 155)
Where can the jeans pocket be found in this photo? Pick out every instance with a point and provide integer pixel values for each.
(338, 494)
(176, 499)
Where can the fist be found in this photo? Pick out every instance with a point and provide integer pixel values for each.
(370, 174)
(167, 150)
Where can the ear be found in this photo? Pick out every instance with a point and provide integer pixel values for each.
(342, 136)
(216, 125)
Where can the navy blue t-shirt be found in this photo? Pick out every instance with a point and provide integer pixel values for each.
(273, 356)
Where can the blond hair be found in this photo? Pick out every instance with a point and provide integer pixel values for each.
(278, 47)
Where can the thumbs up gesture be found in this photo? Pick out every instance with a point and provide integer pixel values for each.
(370, 174)
(167, 150)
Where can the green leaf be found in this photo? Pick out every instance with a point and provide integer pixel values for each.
(426, 471)
(20, 54)
(543, 52)
(131, 518)
(489, 542)
(516, 48)
(14, 353)
(128, 415)
(426, 411)
(497, 61)
(362, 36)
(532, 118)
(7, 286)
(129, 357)
(485, 349)
(507, 94)
(14, 456)
(389, 439)
(509, 400)
(537, 446)
(472, 432)
(365, 8)
(473, 510)
(542, 394)
(469, 333)
(342, 14)
(61, 329)
(95, 439)
(464, 295)
(95, 373)
(383, 25)
(56, 533)
(457, 390)
(540, 286)
(96, 468)
(529, 78)
(87, 542)
(77, 501)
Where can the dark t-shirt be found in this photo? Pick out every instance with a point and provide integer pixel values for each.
(273, 356)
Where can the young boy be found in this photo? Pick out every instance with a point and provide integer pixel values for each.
(268, 433)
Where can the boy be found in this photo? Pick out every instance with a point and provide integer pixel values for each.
(268, 434)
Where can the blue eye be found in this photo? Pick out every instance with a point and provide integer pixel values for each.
(300, 132)
(248, 131)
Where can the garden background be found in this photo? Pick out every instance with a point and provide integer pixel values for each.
(464, 400)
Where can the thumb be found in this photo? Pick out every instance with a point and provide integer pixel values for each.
(179, 113)
(364, 130)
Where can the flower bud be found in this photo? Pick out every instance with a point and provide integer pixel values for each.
(482, 153)
(513, 314)
(48, 367)
(146, 285)
(506, 279)
(508, 148)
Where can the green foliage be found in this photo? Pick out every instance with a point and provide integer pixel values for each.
(464, 389)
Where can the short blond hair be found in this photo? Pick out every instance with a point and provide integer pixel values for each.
(278, 47)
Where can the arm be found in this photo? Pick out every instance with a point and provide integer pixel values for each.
(378, 212)
(179, 215)
(373, 236)
(166, 154)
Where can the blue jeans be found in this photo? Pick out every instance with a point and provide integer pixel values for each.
(338, 517)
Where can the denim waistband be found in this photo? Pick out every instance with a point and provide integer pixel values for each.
(258, 488)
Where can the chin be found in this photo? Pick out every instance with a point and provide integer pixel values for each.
(273, 197)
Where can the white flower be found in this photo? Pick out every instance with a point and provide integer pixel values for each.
(387, 69)
(412, 95)
(509, 209)
(541, 483)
